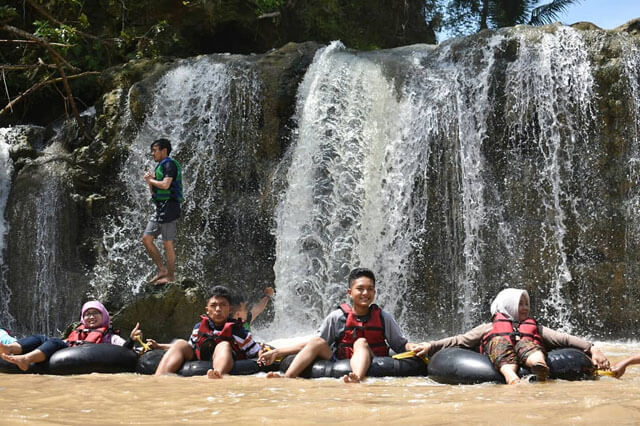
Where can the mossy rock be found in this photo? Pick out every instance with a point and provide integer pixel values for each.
(164, 313)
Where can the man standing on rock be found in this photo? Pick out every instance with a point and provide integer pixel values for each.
(166, 192)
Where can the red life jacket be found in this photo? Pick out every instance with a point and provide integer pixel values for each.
(81, 335)
(208, 338)
(372, 330)
(513, 330)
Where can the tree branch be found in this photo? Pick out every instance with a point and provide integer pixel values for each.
(42, 84)
(42, 42)
(59, 60)
(10, 67)
(35, 42)
(50, 17)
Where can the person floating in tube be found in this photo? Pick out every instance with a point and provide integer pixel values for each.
(217, 338)
(508, 348)
(95, 328)
(357, 332)
(165, 185)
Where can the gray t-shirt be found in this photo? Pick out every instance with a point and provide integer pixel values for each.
(333, 327)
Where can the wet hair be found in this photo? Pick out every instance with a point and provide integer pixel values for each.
(220, 291)
(162, 143)
(361, 272)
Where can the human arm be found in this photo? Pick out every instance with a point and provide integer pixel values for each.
(556, 339)
(155, 345)
(127, 343)
(270, 356)
(393, 335)
(620, 367)
(259, 307)
(169, 173)
(154, 183)
(471, 339)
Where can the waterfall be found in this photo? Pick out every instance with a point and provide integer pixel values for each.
(348, 191)
(192, 106)
(505, 159)
(465, 162)
(6, 169)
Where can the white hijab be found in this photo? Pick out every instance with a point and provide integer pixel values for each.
(507, 302)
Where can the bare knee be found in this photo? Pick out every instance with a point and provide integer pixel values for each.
(222, 348)
(147, 239)
(181, 346)
(361, 344)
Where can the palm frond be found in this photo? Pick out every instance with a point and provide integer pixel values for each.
(548, 13)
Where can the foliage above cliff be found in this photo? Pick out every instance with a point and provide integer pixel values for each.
(56, 46)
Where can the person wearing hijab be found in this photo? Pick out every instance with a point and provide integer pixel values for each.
(94, 328)
(527, 346)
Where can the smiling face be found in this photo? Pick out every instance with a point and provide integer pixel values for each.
(218, 310)
(362, 292)
(523, 308)
(92, 318)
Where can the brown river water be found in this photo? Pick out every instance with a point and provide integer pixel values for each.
(136, 399)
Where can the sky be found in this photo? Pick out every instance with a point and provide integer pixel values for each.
(607, 14)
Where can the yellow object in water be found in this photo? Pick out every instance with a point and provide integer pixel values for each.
(145, 346)
(410, 354)
(605, 373)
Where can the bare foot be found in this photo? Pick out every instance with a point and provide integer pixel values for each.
(351, 378)
(214, 374)
(273, 375)
(161, 274)
(4, 349)
(165, 280)
(20, 360)
(541, 371)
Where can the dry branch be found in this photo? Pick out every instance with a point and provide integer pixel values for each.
(59, 60)
(42, 84)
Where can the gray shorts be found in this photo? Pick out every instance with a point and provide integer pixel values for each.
(167, 230)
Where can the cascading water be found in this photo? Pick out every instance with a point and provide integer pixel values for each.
(6, 169)
(460, 162)
(192, 107)
(551, 112)
(508, 158)
(348, 190)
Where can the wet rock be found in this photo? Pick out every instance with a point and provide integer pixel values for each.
(165, 313)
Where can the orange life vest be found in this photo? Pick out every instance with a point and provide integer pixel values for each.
(81, 335)
(209, 337)
(513, 330)
(372, 330)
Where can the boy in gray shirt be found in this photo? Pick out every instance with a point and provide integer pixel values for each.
(357, 332)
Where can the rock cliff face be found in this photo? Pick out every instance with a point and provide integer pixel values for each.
(508, 158)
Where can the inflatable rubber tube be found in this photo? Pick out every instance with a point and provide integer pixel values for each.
(83, 359)
(93, 358)
(463, 366)
(148, 363)
(380, 367)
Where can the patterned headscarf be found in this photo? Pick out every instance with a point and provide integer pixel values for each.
(508, 301)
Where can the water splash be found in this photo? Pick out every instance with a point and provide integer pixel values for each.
(192, 107)
(550, 107)
(6, 170)
(347, 185)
